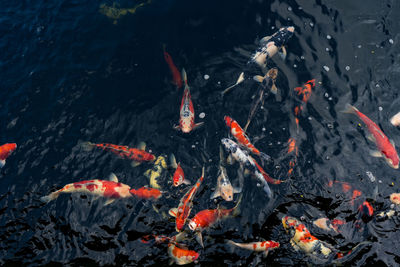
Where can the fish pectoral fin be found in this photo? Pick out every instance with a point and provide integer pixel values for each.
(237, 190)
(274, 89)
(230, 160)
(283, 54)
(173, 212)
(198, 125)
(172, 161)
(266, 252)
(215, 194)
(246, 172)
(109, 201)
(199, 238)
(376, 153)
(176, 127)
(112, 177)
(141, 146)
(2, 163)
(187, 182)
(371, 138)
(258, 78)
(147, 173)
(265, 40)
(135, 163)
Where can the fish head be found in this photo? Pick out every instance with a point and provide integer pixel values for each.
(290, 224)
(290, 28)
(226, 192)
(178, 176)
(228, 120)
(193, 224)
(228, 144)
(186, 125)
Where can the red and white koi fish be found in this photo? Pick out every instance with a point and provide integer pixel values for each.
(395, 120)
(302, 239)
(329, 225)
(181, 256)
(263, 246)
(385, 146)
(5, 152)
(395, 198)
(176, 76)
(242, 138)
(186, 120)
(185, 206)
(179, 175)
(224, 187)
(111, 189)
(206, 218)
(137, 155)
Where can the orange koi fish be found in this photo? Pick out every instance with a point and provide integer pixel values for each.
(206, 218)
(146, 193)
(185, 206)
(176, 76)
(137, 155)
(292, 147)
(328, 225)
(181, 256)
(179, 176)
(111, 189)
(242, 138)
(186, 120)
(385, 146)
(5, 152)
(306, 90)
(263, 246)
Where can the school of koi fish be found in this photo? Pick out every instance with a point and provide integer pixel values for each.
(236, 147)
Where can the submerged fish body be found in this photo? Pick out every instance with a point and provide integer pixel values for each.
(262, 246)
(156, 171)
(385, 146)
(271, 45)
(181, 256)
(224, 187)
(176, 76)
(5, 152)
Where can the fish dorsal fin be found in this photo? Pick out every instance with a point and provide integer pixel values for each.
(237, 190)
(172, 161)
(258, 78)
(173, 212)
(265, 40)
(113, 177)
(109, 201)
(199, 238)
(135, 163)
(141, 146)
(375, 153)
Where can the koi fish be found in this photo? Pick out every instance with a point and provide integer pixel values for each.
(185, 206)
(154, 173)
(264, 246)
(395, 120)
(271, 45)
(206, 218)
(224, 187)
(366, 211)
(111, 189)
(5, 152)
(177, 80)
(395, 198)
(305, 90)
(346, 187)
(242, 138)
(329, 225)
(186, 121)
(268, 83)
(137, 155)
(247, 162)
(302, 239)
(385, 146)
(181, 256)
(292, 147)
(179, 176)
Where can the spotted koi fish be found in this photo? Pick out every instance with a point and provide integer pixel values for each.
(271, 45)
(329, 225)
(385, 147)
(179, 176)
(185, 206)
(186, 121)
(181, 256)
(176, 76)
(207, 218)
(320, 251)
(247, 162)
(111, 190)
(137, 155)
(263, 246)
(242, 138)
(156, 171)
(5, 152)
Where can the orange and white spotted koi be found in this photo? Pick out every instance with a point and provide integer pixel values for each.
(185, 206)
(186, 120)
(263, 246)
(137, 155)
(5, 152)
(181, 256)
(242, 138)
(111, 190)
(329, 225)
(179, 176)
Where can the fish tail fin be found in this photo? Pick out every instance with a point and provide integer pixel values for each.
(184, 76)
(353, 252)
(172, 161)
(2, 163)
(350, 109)
(87, 146)
(50, 197)
(232, 243)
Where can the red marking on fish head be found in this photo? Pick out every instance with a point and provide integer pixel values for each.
(179, 224)
(228, 121)
(395, 198)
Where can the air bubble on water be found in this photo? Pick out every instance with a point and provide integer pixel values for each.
(196, 142)
(278, 143)
(270, 132)
(289, 8)
(283, 128)
(391, 41)
(330, 98)
(380, 181)
(277, 167)
(370, 176)
(210, 160)
(326, 68)
(309, 118)
(263, 129)
(328, 37)
(150, 150)
(262, 107)
(392, 206)
(326, 94)
(273, 27)
(135, 64)
(311, 24)
(300, 8)
(302, 57)
(270, 144)
(330, 125)
(377, 85)
(327, 49)
(294, 66)
(359, 46)
(202, 115)
(303, 218)
(347, 68)
(193, 146)
(206, 76)
(219, 82)
(327, 158)
(380, 108)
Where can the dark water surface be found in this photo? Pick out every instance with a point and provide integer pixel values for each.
(70, 74)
